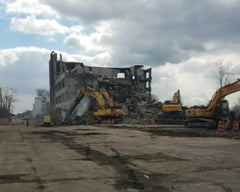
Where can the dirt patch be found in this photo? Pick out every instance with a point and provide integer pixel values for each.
(132, 178)
(178, 133)
(10, 179)
(155, 157)
(55, 133)
(21, 178)
(181, 131)
(127, 177)
(83, 129)
(193, 133)
(51, 132)
(92, 133)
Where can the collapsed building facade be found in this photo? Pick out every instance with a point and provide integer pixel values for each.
(129, 87)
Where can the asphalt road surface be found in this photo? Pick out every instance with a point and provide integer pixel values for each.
(108, 159)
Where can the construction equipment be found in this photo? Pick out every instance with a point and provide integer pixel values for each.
(46, 121)
(217, 109)
(103, 109)
(172, 109)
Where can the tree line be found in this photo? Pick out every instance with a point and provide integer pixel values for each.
(7, 97)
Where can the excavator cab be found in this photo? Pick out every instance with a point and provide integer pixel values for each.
(223, 109)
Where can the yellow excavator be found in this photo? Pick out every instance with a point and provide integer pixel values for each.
(173, 106)
(217, 109)
(103, 109)
(172, 109)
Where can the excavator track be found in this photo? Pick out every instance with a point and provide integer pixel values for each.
(201, 123)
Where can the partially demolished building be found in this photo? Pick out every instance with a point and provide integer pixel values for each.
(127, 86)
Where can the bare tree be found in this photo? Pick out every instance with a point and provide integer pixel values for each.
(224, 72)
(7, 97)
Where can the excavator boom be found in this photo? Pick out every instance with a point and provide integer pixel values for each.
(106, 95)
(222, 92)
(214, 107)
(103, 110)
(177, 97)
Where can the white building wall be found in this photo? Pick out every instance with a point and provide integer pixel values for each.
(39, 107)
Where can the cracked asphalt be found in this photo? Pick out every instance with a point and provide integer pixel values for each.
(117, 158)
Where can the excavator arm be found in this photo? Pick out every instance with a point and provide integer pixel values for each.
(223, 92)
(76, 102)
(177, 97)
(92, 93)
(210, 110)
(106, 95)
(206, 116)
(102, 109)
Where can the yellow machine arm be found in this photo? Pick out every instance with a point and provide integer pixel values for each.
(102, 109)
(115, 112)
(106, 95)
(91, 92)
(219, 95)
(176, 97)
(86, 91)
(222, 92)
(98, 96)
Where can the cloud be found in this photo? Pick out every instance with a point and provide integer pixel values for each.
(24, 69)
(91, 11)
(101, 59)
(195, 77)
(7, 57)
(76, 29)
(32, 25)
(78, 42)
(145, 32)
(155, 32)
(33, 7)
(28, 69)
(87, 42)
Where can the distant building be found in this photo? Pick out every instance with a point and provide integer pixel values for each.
(22, 116)
(27, 114)
(40, 107)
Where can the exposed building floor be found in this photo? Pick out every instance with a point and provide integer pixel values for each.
(118, 158)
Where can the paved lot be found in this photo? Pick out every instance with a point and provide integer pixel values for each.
(108, 159)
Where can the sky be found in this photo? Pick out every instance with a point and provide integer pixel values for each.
(181, 40)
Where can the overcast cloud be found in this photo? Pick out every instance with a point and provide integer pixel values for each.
(181, 40)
